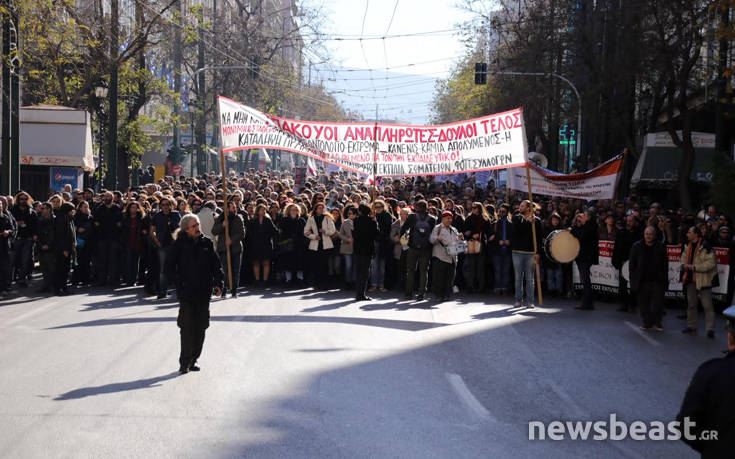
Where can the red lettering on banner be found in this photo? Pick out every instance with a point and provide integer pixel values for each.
(319, 130)
(484, 124)
(517, 117)
(442, 136)
(350, 135)
(303, 131)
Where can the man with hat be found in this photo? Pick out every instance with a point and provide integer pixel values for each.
(709, 402)
(442, 237)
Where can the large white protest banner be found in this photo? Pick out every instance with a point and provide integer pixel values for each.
(598, 183)
(491, 142)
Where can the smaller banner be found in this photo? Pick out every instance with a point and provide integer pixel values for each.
(605, 278)
(598, 183)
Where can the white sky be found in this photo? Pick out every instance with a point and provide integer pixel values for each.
(411, 16)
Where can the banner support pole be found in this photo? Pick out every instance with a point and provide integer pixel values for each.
(533, 232)
(375, 160)
(223, 167)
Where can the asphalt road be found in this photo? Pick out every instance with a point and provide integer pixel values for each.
(313, 374)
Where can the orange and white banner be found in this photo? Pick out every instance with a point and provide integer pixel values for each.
(598, 183)
(491, 142)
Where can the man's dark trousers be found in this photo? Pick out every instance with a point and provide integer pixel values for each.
(362, 267)
(193, 321)
(651, 302)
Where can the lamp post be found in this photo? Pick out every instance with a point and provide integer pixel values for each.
(100, 92)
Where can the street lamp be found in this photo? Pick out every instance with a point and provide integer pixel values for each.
(100, 90)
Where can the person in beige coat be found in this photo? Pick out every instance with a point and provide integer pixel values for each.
(319, 229)
(698, 271)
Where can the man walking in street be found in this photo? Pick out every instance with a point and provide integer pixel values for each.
(196, 268)
(364, 234)
(649, 272)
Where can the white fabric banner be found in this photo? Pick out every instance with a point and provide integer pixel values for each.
(598, 183)
(491, 142)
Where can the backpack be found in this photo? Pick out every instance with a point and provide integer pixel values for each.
(421, 231)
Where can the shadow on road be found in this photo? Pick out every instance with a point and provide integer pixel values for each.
(115, 387)
(407, 325)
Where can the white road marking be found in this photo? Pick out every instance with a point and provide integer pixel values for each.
(641, 333)
(466, 397)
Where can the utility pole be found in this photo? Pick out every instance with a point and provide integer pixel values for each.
(177, 83)
(201, 120)
(14, 100)
(5, 187)
(112, 159)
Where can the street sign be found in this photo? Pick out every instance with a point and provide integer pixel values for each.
(178, 170)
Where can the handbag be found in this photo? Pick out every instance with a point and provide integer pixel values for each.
(474, 247)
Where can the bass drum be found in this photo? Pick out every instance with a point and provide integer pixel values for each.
(561, 246)
(626, 271)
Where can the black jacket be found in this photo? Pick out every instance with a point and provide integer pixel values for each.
(85, 222)
(413, 236)
(638, 261)
(46, 234)
(195, 268)
(521, 234)
(27, 221)
(108, 222)
(65, 235)
(7, 223)
(710, 403)
(589, 242)
(475, 224)
(623, 243)
(364, 233)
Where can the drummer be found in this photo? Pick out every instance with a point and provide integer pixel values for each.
(585, 229)
(553, 270)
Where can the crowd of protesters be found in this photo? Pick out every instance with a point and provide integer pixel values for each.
(331, 231)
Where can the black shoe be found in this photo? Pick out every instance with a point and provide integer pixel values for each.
(363, 298)
(224, 294)
(645, 327)
(234, 295)
(711, 334)
(61, 293)
(420, 297)
(161, 296)
(658, 327)
(183, 370)
(194, 367)
(585, 308)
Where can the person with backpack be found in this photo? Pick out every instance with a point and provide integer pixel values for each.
(418, 226)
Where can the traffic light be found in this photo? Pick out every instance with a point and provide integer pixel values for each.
(480, 73)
